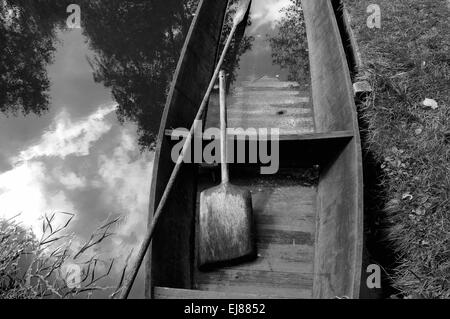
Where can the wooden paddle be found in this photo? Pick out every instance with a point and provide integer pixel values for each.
(238, 18)
(226, 217)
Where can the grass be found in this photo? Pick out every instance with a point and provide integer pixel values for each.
(32, 268)
(406, 61)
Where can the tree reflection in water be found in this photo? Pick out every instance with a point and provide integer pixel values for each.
(290, 46)
(27, 37)
(137, 46)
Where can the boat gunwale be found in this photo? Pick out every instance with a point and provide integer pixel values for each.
(321, 14)
(149, 278)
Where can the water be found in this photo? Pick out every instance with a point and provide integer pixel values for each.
(269, 84)
(84, 144)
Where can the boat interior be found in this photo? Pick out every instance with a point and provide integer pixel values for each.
(308, 214)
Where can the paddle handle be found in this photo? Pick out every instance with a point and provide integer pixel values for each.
(149, 235)
(223, 127)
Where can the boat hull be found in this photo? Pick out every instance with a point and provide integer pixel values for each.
(309, 237)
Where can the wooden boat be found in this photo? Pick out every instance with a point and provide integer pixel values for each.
(309, 238)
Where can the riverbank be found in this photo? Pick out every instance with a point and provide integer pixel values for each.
(406, 61)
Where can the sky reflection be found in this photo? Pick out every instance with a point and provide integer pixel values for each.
(76, 158)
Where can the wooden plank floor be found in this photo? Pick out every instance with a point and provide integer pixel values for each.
(284, 213)
(265, 103)
(284, 209)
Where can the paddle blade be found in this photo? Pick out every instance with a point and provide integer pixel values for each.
(242, 9)
(225, 225)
